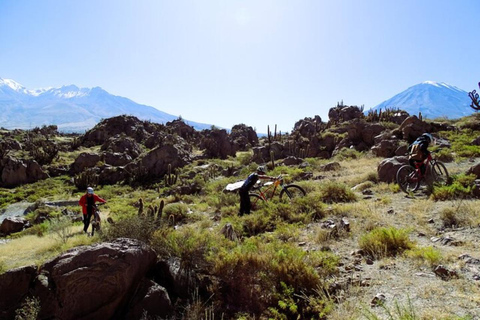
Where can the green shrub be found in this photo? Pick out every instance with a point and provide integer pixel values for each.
(40, 229)
(332, 191)
(444, 155)
(428, 255)
(311, 205)
(175, 212)
(258, 222)
(458, 216)
(275, 275)
(461, 143)
(398, 311)
(385, 242)
(134, 227)
(223, 199)
(61, 227)
(29, 310)
(460, 188)
(244, 158)
(347, 154)
(190, 245)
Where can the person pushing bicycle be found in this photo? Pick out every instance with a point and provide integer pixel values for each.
(418, 151)
(245, 205)
(87, 202)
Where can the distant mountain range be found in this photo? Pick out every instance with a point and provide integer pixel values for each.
(71, 108)
(75, 109)
(432, 99)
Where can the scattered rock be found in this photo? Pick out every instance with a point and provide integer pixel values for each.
(229, 232)
(367, 192)
(150, 299)
(331, 166)
(13, 224)
(387, 169)
(444, 273)
(469, 259)
(378, 300)
(447, 240)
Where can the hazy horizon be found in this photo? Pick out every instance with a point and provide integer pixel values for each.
(254, 62)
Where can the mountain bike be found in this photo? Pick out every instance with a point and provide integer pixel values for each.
(97, 222)
(266, 191)
(409, 178)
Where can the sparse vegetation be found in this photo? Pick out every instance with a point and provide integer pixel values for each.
(385, 242)
(289, 259)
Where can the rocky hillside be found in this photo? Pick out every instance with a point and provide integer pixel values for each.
(354, 247)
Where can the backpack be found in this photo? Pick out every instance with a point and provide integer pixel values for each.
(415, 151)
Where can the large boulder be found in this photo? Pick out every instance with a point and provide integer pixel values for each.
(182, 129)
(387, 169)
(263, 154)
(124, 145)
(243, 137)
(308, 127)
(217, 144)
(386, 148)
(344, 113)
(151, 299)
(474, 170)
(412, 127)
(93, 282)
(111, 175)
(117, 159)
(156, 162)
(13, 224)
(128, 125)
(85, 160)
(15, 172)
(14, 287)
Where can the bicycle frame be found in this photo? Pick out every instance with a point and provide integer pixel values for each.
(428, 162)
(265, 192)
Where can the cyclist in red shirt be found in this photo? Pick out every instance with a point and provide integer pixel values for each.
(87, 201)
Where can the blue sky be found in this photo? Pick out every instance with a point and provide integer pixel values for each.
(255, 62)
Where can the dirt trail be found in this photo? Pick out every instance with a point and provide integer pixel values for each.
(408, 283)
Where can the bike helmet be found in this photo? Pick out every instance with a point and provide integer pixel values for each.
(261, 169)
(429, 136)
(90, 190)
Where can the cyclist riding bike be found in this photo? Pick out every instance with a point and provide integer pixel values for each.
(418, 151)
(245, 204)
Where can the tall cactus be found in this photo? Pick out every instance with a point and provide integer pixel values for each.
(272, 158)
(475, 99)
(170, 178)
(140, 207)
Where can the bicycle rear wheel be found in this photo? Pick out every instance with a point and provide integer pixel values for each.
(408, 179)
(440, 173)
(256, 202)
(292, 191)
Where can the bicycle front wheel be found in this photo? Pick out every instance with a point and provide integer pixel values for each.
(256, 202)
(292, 191)
(408, 179)
(440, 173)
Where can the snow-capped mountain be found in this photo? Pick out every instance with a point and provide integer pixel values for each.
(432, 99)
(71, 108)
